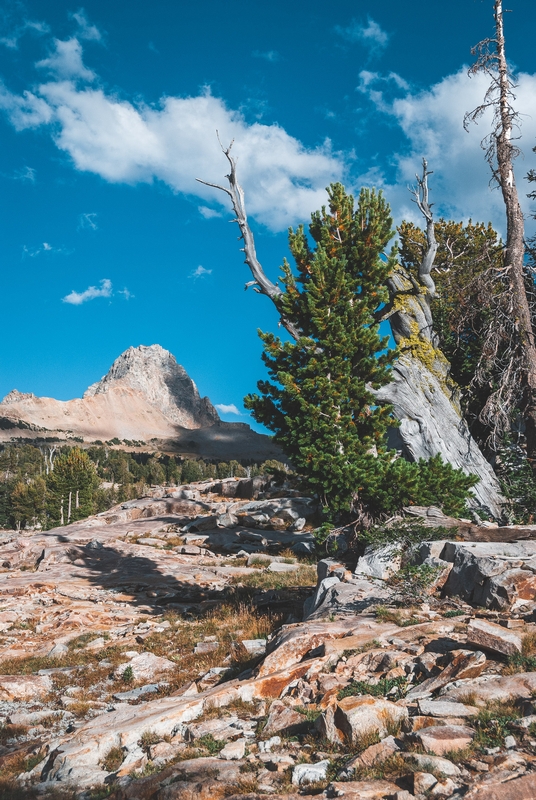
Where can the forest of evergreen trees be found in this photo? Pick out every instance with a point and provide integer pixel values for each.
(45, 486)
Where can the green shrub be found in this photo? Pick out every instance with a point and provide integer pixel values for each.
(411, 584)
(383, 688)
(128, 675)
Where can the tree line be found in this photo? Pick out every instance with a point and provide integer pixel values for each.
(44, 487)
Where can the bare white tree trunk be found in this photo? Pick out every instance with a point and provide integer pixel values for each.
(500, 153)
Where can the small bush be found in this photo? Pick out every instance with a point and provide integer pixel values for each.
(147, 739)
(411, 584)
(494, 723)
(384, 614)
(128, 675)
(209, 743)
(303, 576)
(407, 533)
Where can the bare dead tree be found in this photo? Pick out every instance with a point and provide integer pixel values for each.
(261, 283)
(511, 348)
(409, 310)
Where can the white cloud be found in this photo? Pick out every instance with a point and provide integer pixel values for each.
(126, 294)
(199, 272)
(432, 121)
(176, 142)
(208, 213)
(92, 292)
(370, 34)
(230, 408)
(88, 221)
(25, 110)
(85, 29)
(65, 62)
(267, 55)
(12, 32)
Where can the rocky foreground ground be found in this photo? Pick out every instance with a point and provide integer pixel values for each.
(190, 644)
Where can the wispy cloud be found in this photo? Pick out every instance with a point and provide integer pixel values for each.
(432, 121)
(91, 293)
(126, 294)
(229, 408)
(85, 29)
(87, 221)
(208, 213)
(65, 61)
(371, 34)
(12, 30)
(267, 55)
(46, 247)
(26, 174)
(199, 272)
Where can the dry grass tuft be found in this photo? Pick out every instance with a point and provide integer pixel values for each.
(305, 575)
(113, 759)
(79, 708)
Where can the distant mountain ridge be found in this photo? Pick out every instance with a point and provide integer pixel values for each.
(145, 396)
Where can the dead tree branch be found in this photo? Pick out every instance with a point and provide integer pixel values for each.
(261, 283)
(421, 197)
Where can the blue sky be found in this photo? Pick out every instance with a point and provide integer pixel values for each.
(108, 114)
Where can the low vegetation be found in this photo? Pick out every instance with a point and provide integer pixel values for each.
(305, 575)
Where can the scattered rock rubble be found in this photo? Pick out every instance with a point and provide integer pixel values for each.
(176, 647)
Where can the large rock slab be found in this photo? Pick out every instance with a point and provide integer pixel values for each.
(441, 739)
(485, 689)
(24, 687)
(361, 715)
(145, 666)
(379, 562)
(494, 575)
(523, 788)
(490, 636)
(362, 790)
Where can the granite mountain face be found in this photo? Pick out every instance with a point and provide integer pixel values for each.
(155, 374)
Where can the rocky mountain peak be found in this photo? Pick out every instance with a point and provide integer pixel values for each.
(155, 373)
(15, 396)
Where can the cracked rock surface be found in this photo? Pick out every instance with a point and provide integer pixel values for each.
(189, 645)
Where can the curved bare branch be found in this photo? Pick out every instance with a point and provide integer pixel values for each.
(260, 282)
(421, 197)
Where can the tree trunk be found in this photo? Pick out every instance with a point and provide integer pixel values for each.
(425, 400)
(515, 245)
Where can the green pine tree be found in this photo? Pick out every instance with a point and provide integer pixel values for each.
(318, 402)
(319, 405)
(71, 488)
